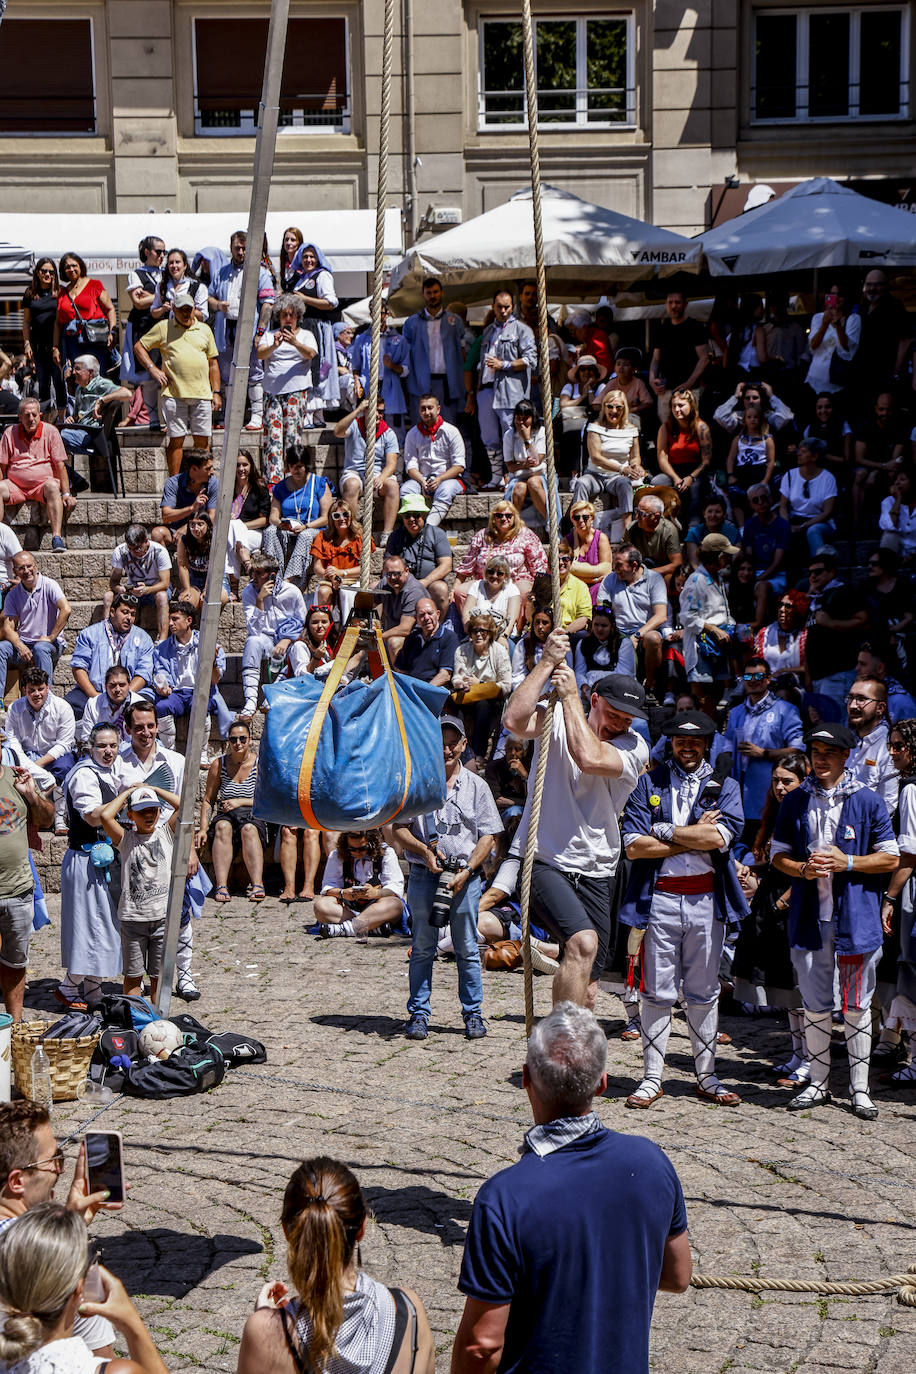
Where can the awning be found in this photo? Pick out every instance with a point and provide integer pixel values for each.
(108, 243)
(13, 257)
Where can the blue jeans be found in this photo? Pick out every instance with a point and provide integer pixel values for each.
(178, 703)
(44, 655)
(818, 535)
(421, 886)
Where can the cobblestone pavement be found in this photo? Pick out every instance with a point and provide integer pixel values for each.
(809, 1196)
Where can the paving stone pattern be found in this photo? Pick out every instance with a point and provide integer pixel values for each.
(819, 1195)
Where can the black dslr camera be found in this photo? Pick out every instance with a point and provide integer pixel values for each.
(442, 897)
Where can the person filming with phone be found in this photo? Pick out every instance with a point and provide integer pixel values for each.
(31, 1162)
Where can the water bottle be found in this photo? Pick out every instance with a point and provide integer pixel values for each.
(41, 1078)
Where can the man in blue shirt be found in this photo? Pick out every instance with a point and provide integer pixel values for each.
(584, 1214)
(429, 649)
(766, 538)
(761, 730)
(115, 640)
(436, 364)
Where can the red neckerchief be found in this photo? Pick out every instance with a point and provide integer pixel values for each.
(381, 426)
(36, 435)
(433, 428)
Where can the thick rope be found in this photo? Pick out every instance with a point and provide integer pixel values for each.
(904, 1284)
(365, 557)
(552, 496)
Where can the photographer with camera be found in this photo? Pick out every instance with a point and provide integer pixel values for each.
(445, 850)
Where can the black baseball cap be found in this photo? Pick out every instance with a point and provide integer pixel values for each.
(832, 733)
(623, 693)
(690, 724)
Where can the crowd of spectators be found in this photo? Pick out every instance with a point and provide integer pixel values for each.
(740, 538)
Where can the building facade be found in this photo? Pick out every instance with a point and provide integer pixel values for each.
(136, 105)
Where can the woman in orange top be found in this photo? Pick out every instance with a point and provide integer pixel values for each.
(336, 553)
(685, 450)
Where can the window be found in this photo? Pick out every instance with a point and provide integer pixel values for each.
(829, 64)
(48, 85)
(229, 68)
(583, 68)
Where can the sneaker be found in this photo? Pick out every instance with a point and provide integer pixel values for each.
(541, 962)
(187, 989)
(475, 1028)
(417, 1027)
(331, 929)
(58, 545)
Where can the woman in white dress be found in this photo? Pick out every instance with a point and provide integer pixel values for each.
(613, 462)
(90, 936)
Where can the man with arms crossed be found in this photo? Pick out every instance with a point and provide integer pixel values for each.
(592, 767)
(537, 1275)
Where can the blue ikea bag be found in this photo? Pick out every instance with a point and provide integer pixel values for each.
(373, 761)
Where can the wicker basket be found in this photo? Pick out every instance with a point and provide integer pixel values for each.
(69, 1059)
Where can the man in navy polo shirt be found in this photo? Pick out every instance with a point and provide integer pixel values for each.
(429, 649)
(567, 1248)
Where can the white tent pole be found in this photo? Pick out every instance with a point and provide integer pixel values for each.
(198, 729)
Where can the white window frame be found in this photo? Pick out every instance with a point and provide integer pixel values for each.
(580, 120)
(802, 20)
(247, 126)
(63, 133)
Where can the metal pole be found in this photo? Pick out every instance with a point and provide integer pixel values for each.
(198, 728)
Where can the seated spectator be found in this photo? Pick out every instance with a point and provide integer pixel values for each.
(496, 596)
(9, 547)
(781, 644)
(42, 725)
(44, 1259)
(227, 821)
(613, 463)
(142, 568)
(529, 648)
(33, 466)
(352, 429)
(898, 516)
(829, 426)
(399, 606)
(508, 776)
(84, 429)
(336, 556)
(299, 508)
(833, 340)
(654, 536)
(274, 617)
(765, 539)
(581, 391)
(639, 600)
(575, 601)
(505, 534)
(707, 623)
(591, 548)
(751, 459)
(188, 379)
(591, 338)
(837, 620)
(596, 653)
(878, 661)
(524, 450)
(108, 707)
(337, 1314)
(350, 389)
(747, 343)
(889, 594)
(287, 351)
(481, 680)
(192, 560)
(35, 613)
(715, 510)
(807, 497)
(639, 398)
(429, 649)
(115, 640)
(363, 887)
(730, 414)
(747, 602)
(434, 460)
(83, 301)
(177, 676)
(187, 493)
(313, 649)
(424, 548)
(879, 453)
(250, 513)
(177, 281)
(684, 451)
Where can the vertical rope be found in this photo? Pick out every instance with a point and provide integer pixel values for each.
(552, 494)
(368, 496)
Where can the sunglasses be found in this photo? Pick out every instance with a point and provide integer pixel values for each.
(479, 631)
(502, 516)
(357, 848)
(754, 677)
(806, 489)
(340, 515)
(816, 572)
(238, 739)
(563, 559)
(581, 519)
(494, 572)
(127, 599)
(648, 514)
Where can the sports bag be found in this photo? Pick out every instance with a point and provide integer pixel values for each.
(192, 1069)
(354, 758)
(236, 1049)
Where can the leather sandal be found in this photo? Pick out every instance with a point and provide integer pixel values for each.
(221, 894)
(720, 1098)
(641, 1103)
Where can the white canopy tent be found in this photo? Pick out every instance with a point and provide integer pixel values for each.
(108, 243)
(817, 224)
(583, 244)
(13, 257)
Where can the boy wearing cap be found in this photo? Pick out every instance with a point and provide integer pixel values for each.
(592, 766)
(146, 869)
(834, 839)
(683, 891)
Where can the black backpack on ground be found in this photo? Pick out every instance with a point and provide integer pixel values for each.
(236, 1049)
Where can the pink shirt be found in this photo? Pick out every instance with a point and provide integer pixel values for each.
(523, 552)
(32, 459)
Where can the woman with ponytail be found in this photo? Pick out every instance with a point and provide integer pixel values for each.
(44, 1262)
(340, 1320)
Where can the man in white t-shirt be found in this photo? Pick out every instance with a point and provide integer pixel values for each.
(434, 460)
(142, 568)
(592, 767)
